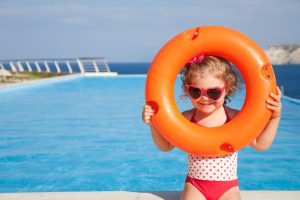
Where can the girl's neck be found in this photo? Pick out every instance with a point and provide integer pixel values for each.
(216, 118)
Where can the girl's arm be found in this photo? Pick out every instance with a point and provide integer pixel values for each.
(159, 140)
(265, 139)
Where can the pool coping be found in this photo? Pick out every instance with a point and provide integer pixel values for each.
(291, 99)
(152, 195)
(39, 81)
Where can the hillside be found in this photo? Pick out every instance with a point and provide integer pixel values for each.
(283, 54)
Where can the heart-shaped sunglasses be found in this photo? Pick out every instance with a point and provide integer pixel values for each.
(212, 93)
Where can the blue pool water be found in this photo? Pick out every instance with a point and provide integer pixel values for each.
(86, 134)
(287, 75)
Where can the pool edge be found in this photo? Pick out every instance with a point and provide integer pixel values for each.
(38, 82)
(152, 195)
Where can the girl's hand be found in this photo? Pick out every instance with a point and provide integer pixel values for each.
(148, 112)
(274, 104)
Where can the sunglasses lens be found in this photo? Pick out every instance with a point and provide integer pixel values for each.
(195, 93)
(214, 93)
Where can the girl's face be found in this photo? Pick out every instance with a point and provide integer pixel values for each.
(204, 104)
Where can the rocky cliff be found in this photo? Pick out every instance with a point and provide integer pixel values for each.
(283, 54)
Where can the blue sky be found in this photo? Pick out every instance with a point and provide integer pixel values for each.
(133, 30)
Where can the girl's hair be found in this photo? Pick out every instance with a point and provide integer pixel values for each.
(216, 66)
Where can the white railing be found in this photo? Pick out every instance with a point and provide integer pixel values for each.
(89, 66)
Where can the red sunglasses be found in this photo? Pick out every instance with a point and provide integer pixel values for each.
(213, 93)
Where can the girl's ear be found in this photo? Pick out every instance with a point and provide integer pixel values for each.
(226, 92)
(186, 87)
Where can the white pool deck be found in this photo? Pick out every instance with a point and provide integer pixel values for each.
(125, 195)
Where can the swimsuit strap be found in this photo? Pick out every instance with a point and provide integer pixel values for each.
(193, 120)
(227, 116)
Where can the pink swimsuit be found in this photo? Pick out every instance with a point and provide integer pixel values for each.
(212, 176)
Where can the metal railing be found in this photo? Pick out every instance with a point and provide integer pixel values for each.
(91, 66)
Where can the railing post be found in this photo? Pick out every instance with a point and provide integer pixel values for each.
(37, 66)
(12, 65)
(28, 66)
(57, 67)
(95, 66)
(47, 66)
(106, 65)
(80, 66)
(69, 67)
(20, 66)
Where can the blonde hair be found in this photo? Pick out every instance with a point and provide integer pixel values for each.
(216, 66)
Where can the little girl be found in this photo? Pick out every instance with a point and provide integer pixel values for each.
(209, 82)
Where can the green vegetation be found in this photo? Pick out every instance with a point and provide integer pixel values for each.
(40, 75)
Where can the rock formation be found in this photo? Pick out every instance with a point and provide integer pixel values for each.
(283, 54)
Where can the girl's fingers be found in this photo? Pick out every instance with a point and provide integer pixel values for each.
(148, 108)
(275, 97)
(148, 112)
(274, 108)
(273, 103)
(279, 92)
(147, 118)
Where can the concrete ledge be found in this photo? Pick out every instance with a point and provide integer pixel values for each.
(102, 74)
(123, 195)
(41, 81)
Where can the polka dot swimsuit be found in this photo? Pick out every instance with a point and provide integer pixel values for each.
(223, 168)
(213, 168)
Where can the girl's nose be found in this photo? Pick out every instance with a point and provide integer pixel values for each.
(204, 97)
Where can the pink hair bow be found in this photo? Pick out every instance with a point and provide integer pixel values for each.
(198, 59)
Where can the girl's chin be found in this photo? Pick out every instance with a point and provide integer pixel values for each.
(207, 108)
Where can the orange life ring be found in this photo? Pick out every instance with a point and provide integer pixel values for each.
(255, 68)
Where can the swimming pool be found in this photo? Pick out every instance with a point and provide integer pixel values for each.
(86, 134)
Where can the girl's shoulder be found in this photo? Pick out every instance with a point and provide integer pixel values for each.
(231, 112)
(188, 113)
